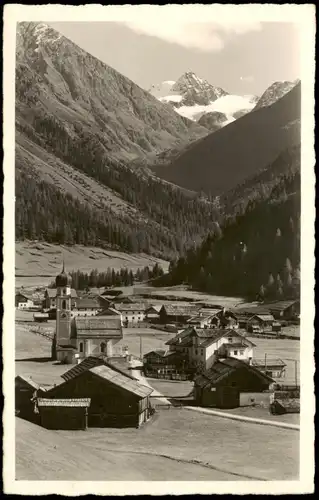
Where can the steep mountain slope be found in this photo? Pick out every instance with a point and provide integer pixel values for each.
(213, 120)
(275, 92)
(193, 97)
(223, 159)
(79, 124)
(56, 77)
(257, 250)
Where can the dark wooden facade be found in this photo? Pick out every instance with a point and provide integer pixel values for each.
(66, 414)
(222, 385)
(25, 393)
(111, 406)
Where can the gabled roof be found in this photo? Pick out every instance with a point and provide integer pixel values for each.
(122, 381)
(179, 310)
(29, 382)
(223, 368)
(109, 311)
(51, 292)
(161, 352)
(27, 296)
(87, 303)
(262, 317)
(206, 336)
(76, 402)
(98, 326)
(137, 306)
(155, 307)
(92, 361)
(269, 362)
(282, 305)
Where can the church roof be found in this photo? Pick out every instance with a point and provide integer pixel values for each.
(98, 327)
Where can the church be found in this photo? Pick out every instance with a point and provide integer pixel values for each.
(77, 338)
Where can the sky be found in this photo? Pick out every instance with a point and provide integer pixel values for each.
(242, 58)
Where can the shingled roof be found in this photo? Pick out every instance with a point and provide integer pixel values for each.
(98, 327)
(92, 361)
(206, 336)
(179, 310)
(87, 303)
(222, 369)
(122, 381)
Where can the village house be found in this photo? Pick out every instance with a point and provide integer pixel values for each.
(273, 367)
(117, 400)
(162, 363)
(132, 313)
(177, 313)
(285, 309)
(231, 383)
(205, 346)
(66, 414)
(86, 307)
(263, 321)
(214, 318)
(79, 337)
(152, 313)
(50, 298)
(23, 301)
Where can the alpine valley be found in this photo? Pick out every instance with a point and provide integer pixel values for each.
(185, 171)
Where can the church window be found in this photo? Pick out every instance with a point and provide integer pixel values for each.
(103, 346)
(64, 291)
(63, 304)
(81, 346)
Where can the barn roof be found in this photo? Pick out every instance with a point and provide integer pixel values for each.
(156, 307)
(51, 292)
(223, 368)
(179, 310)
(98, 326)
(28, 381)
(92, 361)
(77, 402)
(269, 362)
(282, 305)
(263, 317)
(122, 381)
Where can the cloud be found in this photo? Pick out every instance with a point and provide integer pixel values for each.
(189, 26)
(247, 79)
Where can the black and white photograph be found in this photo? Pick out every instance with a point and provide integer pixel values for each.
(159, 249)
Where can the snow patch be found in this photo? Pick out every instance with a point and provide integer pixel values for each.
(228, 104)
(171, 98)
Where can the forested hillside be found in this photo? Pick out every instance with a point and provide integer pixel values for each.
(257, 251)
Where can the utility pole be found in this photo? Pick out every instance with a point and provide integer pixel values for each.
(296, 376)
(141, 347)
(265, 361)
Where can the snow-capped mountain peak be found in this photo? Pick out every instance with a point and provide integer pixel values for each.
(193, 97)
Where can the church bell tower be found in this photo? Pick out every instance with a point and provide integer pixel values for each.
(63, 309)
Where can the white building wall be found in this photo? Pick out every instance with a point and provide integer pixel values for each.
(133, 316)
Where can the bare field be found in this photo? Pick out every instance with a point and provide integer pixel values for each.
(285, 349)
(37, 263)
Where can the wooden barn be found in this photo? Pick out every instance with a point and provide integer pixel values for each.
(176, 313)
(117, 400)
(26, 390)
(263, 321)
(221, 386)
(66, 414)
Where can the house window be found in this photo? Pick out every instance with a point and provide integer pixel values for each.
(103, 347)
(235, 353)
(133, 318)
(230, 339)
(202, 352)
(63, 304)
(196, 351)
(241, 352)
(81, 346)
